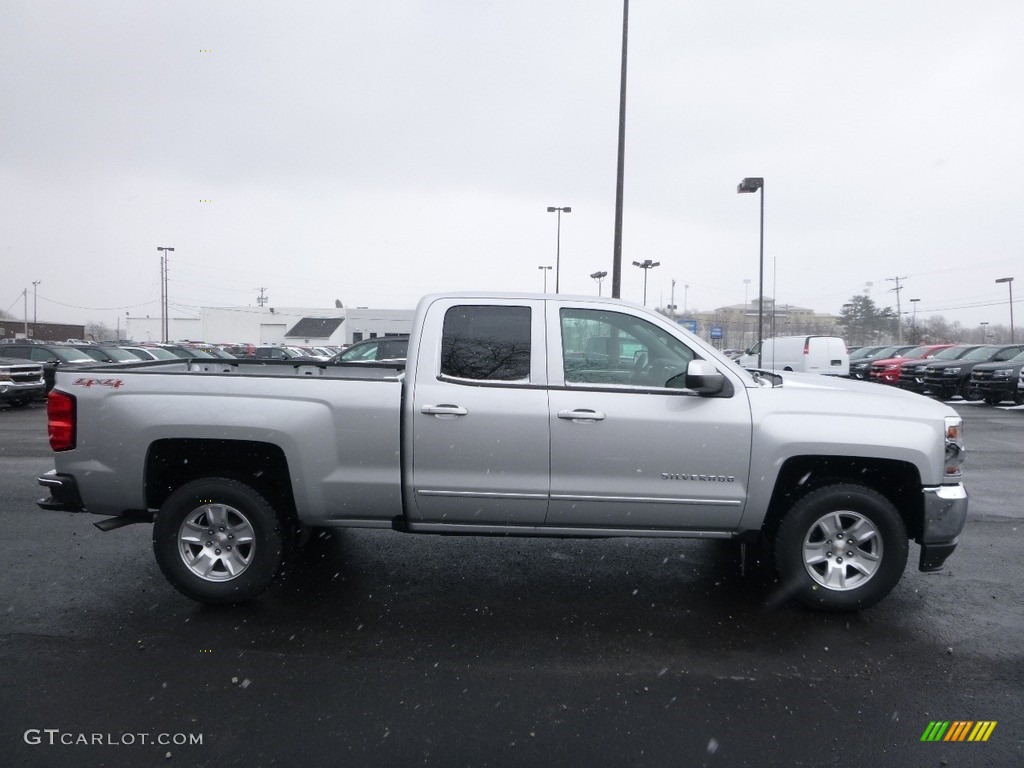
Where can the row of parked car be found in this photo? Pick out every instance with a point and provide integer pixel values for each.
(993, 373)
(20, 361)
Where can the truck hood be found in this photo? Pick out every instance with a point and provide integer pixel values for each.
(831, 394)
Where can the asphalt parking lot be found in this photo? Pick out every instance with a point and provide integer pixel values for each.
(386, 649)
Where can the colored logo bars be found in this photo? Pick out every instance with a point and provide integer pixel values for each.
(958, 730)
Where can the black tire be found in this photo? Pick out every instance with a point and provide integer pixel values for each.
(965, 391)
(238, 554)
(817, 565)
(993, 400)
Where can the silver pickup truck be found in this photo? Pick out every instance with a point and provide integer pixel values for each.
(514, 415)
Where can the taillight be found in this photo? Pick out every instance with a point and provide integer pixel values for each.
(60, 419)
(807, 346)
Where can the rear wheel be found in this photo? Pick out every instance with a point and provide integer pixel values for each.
(218, 540)
(841, 547)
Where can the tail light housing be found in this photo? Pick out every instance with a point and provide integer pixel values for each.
(60, 421)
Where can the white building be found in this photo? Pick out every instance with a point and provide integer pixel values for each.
(270, 325)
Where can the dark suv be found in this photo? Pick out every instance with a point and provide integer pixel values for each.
(912, 371)
(995, 382)
(945, 379)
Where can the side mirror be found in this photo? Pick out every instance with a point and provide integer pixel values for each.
(701, 376)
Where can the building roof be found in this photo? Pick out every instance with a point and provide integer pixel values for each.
(315, 327)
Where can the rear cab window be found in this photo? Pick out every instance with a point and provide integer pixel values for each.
(487, 343)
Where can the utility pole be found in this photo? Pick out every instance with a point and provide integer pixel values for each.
(164, 324)
(262, 298)
(899, 314)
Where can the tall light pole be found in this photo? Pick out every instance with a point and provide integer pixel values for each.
(984, 331)
(545, 270)
(558, 239)
(914, 302)
(746, 309)
(163, 291)
(1009, 283)
(646, 265)
(599, 277)
(620, 166)
(35, 306)
(753, 184)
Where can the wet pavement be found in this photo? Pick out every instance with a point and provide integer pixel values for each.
(379, 648)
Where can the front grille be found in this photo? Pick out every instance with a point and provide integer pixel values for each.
(24, 374)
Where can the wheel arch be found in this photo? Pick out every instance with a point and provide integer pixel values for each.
(898, 481)
(170, 463)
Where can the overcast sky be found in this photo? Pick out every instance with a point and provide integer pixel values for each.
(375, 151)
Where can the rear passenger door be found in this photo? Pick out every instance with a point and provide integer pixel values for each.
(479, 416)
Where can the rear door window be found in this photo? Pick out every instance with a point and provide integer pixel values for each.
(486, 343)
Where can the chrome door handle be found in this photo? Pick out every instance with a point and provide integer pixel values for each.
(443, 410)
(581, 414)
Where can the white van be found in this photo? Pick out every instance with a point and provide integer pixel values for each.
(806, 354)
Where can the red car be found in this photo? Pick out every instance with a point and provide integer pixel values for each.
(888, 371)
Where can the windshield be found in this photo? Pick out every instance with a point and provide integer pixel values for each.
(69, 355)
(981, 353)
(952, 353)
(121, 355)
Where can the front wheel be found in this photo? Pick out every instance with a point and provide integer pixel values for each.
(841, 547)
(218, 540)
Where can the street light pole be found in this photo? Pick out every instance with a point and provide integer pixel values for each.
(620, 166)
(984, 331)
(163, 291)
(599, 277)
(914, 331)
(646, 265)
(545, 270)
(753, 184)
(1009, 283)
(558, 240)
(35, 306)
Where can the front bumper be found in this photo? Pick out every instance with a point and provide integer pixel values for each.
(15, 392)
(945, 512)
(1006, 388)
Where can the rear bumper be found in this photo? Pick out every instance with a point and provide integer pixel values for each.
(945, 512)
(64, 495)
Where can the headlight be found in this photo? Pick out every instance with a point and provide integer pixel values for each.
(1003, 373)
(951, 372)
